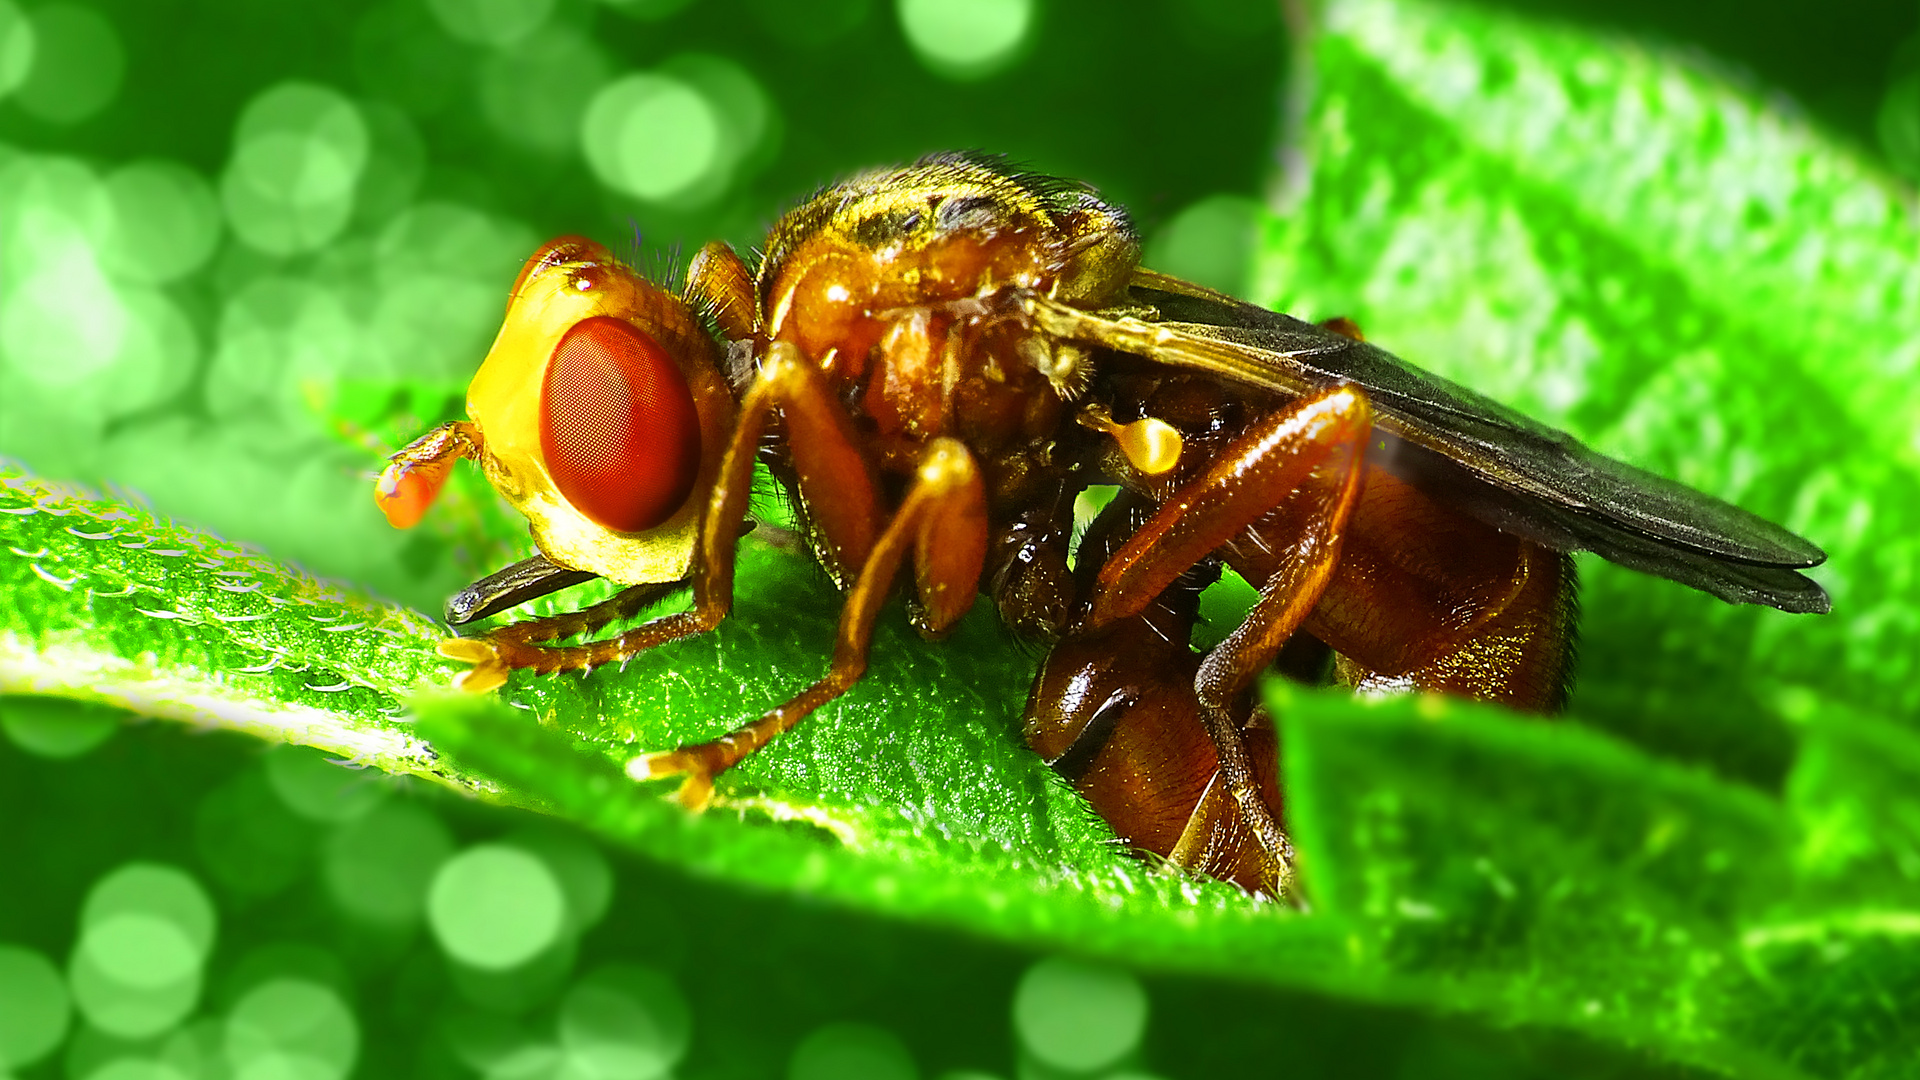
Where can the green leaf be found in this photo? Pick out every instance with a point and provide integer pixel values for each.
(1621, 241)
(1853, 790)
(103, 602)
(1538, 872)
(1631, 245)
(893, 799)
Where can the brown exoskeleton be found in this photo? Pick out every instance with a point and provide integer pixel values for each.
(936, 361)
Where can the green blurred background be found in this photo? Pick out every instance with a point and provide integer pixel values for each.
(245, 249)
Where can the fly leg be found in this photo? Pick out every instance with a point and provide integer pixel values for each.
(943, 522)
(1267, 469)
(624, 604)
(834, 477)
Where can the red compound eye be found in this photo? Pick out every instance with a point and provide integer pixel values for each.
(618, 426)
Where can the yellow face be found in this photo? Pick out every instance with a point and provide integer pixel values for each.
(602, 414)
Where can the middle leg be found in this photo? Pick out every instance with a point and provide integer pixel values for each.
(943, 523)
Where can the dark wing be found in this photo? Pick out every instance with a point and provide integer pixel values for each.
(1508, 470)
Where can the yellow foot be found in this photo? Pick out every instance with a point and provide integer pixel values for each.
(696, 792)
(489, 671)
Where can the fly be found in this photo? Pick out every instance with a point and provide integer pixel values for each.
(935, 361)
